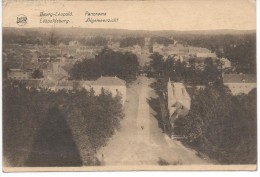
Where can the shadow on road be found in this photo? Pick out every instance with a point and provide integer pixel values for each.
(54, 144)
(155, 105)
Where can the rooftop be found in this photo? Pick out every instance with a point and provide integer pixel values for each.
(109, 81)
(239, 78)
(35, 83)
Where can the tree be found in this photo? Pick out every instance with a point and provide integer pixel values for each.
(211, 73)
(221, 125)
(107, 63)
(34, 119)
(157, 63)
(131, 41)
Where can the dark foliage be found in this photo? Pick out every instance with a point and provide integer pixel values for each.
(94, 41)
(221, 125)
(131, 41)
(54, 145)
(157, 63)
(37, 74)
(56, 129)
(240, 49)
(179, 71)
(107, 63)
(162, 40)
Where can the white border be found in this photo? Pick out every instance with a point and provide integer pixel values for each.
(140, 174)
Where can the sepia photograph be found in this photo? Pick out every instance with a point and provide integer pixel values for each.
(120, 85)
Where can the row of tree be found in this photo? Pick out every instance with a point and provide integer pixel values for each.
(239, 48)
(221, 126)
(186, 72)
(43, 128)
(161, 40)
(107, 63)
(131, 41)
(94, 41)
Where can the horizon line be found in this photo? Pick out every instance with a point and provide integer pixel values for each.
(197, 30)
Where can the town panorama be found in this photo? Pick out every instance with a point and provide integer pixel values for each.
(106, 97)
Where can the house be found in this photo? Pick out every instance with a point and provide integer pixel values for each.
(46, 68)
(225, 63)
(70, 85)
(179, 101)
(74, 43)
(30, 67)
(113, 45)
(17, 74)
(48, 84)
(205, 55)
(32, 83)
(113, 84)
(64, 85)
(195, 50)
(240, 83)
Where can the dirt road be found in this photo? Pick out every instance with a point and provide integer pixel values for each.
(140, 141)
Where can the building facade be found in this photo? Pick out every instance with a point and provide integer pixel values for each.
(179, 101)
(112, 84)
(240, 83)
(17, 74)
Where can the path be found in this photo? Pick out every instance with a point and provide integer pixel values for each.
(134, 145)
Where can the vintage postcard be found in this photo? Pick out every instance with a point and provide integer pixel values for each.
(129, 85)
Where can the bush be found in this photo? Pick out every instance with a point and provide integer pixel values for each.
(221, 125)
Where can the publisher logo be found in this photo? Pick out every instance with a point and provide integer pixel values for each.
(21, 20)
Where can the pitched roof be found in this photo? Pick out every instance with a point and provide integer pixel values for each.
(35, 83)
(74, 84)
(13, 65)
(109, 81)
(181, 94)
(65, 83)
(239, 78)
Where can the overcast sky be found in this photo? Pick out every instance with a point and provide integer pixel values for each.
(142, 15)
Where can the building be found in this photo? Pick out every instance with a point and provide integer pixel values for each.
(179, 101)
(240, 83)
(74, 43)
(195, 50)
(44, 58)
(205, 55)
(113, 84)
(113, 45)
(225, 63)
(17, 74)
(32, 83)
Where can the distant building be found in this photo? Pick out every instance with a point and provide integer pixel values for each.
(240, 83)
(17, 74)
(179, 100)
(113, 45)
(147, 41)
(70, 85)
(195, 50)
(205, 55)
(64, 85)
(74, 43)
(112, 84)
(225, 63)
(44, 59)
(32, 83)
(157, 48)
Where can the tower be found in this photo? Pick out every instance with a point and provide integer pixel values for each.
(171, 98)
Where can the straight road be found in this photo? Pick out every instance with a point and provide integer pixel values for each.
(140, 141)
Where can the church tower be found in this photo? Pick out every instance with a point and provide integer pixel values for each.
(171, 98)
